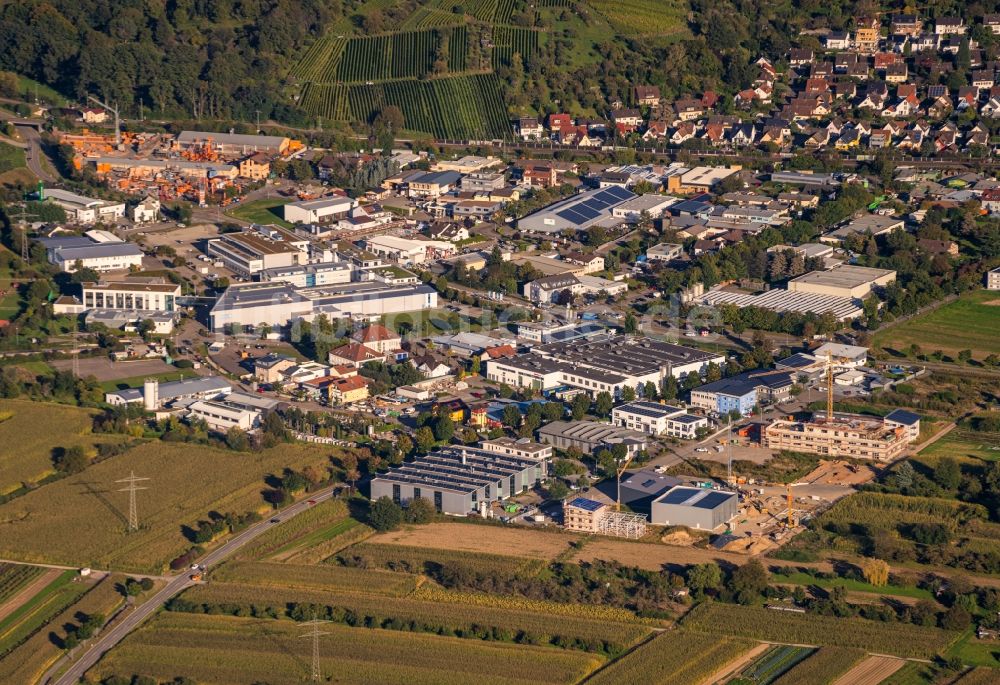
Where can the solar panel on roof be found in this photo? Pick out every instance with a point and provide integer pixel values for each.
(679, 496)
(572, 215)
(618, 193)
(712, 500)
(588, 213)
(586, 504)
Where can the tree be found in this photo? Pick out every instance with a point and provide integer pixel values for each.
(71, 460)
(948, 473)
(420, 510)
(424, 438)
(511, 416)
(956, 618)
(875, 572)
(385, 514)
(236, 439)
(444, 428)
(704, 577)
(603, 403)
(580, 406)
(557, 489)
(749, 581)
(628, 394)
(631, 324)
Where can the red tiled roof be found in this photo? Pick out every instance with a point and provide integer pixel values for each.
(356, 352)
(375, 332)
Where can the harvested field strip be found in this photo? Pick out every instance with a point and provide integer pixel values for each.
(597, 635)
(27, 662)
(14, 577)
(415, 559)
(335, 578)
(222, 649)
(464, 537)
(979, 676)
(295, 532)
(825, 664)
(34, 613)
(673, 657)
(774, 662)
(23, 594)
(871, 671)
(758, 623)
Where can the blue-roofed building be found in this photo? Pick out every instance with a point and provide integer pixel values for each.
(699, 508)
(578, 212)
(907, 420)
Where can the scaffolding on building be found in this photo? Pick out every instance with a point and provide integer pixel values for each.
(622, 524)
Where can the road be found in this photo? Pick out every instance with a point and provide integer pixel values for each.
(175, 586)
(34, 154)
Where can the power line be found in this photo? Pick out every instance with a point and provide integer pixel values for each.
(315, 634)
(131, 488)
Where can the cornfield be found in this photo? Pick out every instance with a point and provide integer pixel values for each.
(640, 17)
(677, 658)
(758, 623)
(13, 577)
(332, 578)
(824, 666)
(223, 649)
(414, 559)
(419, 615)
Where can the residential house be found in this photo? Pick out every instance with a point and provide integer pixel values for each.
(348, 390)
(647, 96)
(798, 57)
(530, 128)
(627, 120)
(256, 167)
(992, 22)
(688, 109)
(867, 34)
(354, 354)
(906, 25)
(950, 26)
(379, 338)
(837, 40)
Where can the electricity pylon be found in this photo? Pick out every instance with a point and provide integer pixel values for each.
(315, 634)
(131, 488)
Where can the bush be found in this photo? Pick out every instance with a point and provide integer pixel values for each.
(420, 510)
(385, 514)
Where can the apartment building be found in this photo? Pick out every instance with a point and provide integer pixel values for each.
(857, 437)
(658, 419)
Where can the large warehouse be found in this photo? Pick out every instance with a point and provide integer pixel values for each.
(604, 363)
(698, 508)
(578, 213)
(843, 281)
(277, 303)
(233, 144)
(777, 300)
(590, 436)
(459, 480)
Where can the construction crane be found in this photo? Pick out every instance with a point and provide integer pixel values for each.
(113, 110)
(788, 494)
(618, 480)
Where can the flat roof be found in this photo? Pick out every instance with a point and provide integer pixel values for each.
(96, 251)
(907, 418)
(248, 140)
(134, 286)
(650, 409)
(844, 276)
(702, 498)
(787, 301)
(586, 504)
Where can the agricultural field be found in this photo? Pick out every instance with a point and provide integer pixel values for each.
(509, 40)
(964, 445)
(26, 451)
(266, 211)
(414, 614)
(45, 601)
(976, 652)
(506, 542)
(759, 623)
(312, 577)
(321, 61)
(969, 323)
(643, 18)
(408, 54)
(14, 578)
(871, 671)
(774, 663)
(822, 667)
(11, 158)
(89, 529)
(674, 657)
(224, 649)
(310, 537)
(27, 662)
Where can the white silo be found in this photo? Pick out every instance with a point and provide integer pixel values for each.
(151, 394)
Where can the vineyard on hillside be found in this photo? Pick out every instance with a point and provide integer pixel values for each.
(410, 54)
(508, 40)
(460, 107)
(321, 61)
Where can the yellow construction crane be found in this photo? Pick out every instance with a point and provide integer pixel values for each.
(618, 481)
(829, 386)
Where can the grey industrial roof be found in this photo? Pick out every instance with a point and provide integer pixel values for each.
(186, 386)
(591, 431)
(577, 212)
(844, 276)
(650, 482)
(96, 251)
(777, 300)
(702, 498)
(444, 469)
(230, 138)
(439, 177)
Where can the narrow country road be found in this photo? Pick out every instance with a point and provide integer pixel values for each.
(34, 155)
(108, 640)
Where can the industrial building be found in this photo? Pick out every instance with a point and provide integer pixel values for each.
(603, 363)
(844, 309)
(321, 211)
(309, 275)
(579, 212)
(591, 436)
(149, 168)
(638, 490)
(698, 508)
(155, 395)
(234, 410)
(650, 206)
(658, 419)
(843, 435)
(459, 480)
(665, 252)
(143, 294)
(260, 248)
(558, 331)
(85, 210)
(846, 280)
(590, 516)
(72, 252)
(523, 448)
(233, 144)
(278, 303)
(743, 392)
(406, 251)
(869, 224)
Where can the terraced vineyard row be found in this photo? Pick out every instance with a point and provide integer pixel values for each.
(508, 40)
(409, 54)
(429, 17)
(14, 577)
(461, 107)
(321, 61)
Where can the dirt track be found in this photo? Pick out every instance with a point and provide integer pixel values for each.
(871, 671)
(736, 664)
